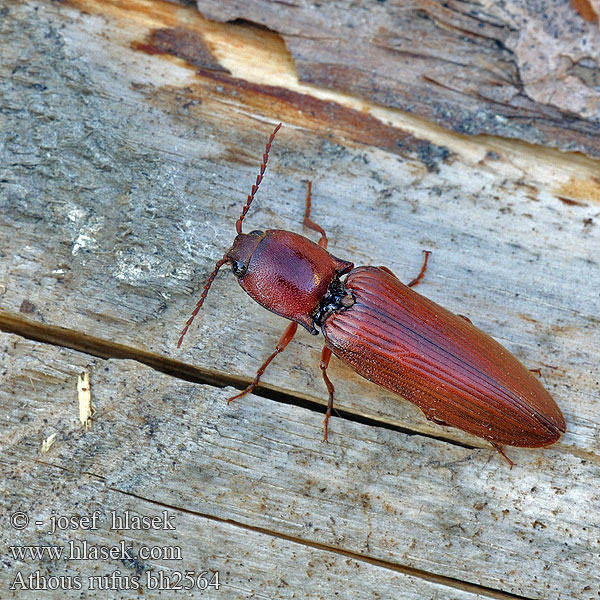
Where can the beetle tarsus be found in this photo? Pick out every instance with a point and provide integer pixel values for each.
(500, 449)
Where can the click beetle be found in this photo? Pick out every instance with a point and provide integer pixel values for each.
(389, 334)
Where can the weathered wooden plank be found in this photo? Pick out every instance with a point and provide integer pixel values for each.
(521, 70)
(121, 175)
(158, 443)
(247, 563)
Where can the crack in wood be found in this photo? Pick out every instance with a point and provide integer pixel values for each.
(101, 348)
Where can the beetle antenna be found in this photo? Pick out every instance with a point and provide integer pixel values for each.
(259, 178)
(219, 264)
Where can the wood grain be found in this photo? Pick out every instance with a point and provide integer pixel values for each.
(245, 484)
(122, 172)
(521, 70)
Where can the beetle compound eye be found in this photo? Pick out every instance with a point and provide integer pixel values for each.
(390, 335)
(238, 268)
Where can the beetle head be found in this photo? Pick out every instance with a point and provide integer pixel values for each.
(242, 250)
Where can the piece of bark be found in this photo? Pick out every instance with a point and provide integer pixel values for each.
(522, 70)
(180, 42)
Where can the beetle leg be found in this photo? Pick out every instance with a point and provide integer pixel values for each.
(308, 222)
(501, 450)
(286, 338)
(325, 356)
(421, 274)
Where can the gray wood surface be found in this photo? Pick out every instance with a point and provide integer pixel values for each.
(122, 174)
(254, 493)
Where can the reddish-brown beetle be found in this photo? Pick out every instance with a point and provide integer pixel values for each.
(391, 335)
